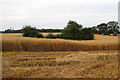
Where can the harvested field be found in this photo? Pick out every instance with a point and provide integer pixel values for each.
(25, 57)
(60, 64)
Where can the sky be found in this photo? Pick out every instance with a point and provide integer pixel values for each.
(56, 13)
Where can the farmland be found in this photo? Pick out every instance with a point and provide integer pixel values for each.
(15, 42)
(60, 64)
(25, 57)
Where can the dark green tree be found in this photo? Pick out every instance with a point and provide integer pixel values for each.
(102, 28)
(94, 29)
(113, 27)
(87, 34)
(40, 36)
(29, 31)
(76, 32)
(51, 36)
(106, 29)
(72, 31)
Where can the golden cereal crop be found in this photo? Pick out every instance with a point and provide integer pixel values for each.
(15, 42)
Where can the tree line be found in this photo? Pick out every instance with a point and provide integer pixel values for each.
(103, 28)
(40, 30)
(107, 28)
(73, 31)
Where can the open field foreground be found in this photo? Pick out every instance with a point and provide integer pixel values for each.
(25, 57)
(14, 42)
(91, 64)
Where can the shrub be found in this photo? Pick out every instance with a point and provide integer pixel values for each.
(106, 33)
(59, 36)
(40, 36)
(29, 31)
(51, 36)
(114, 34)
(87, 34)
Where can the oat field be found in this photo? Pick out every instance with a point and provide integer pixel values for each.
(25, 57)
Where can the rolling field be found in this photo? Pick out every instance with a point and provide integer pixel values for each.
(25, 57)
(15, 42)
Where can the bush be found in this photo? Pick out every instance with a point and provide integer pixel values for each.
(106, 33)
(29, 31)
(40, 36)
(59, 36)
(51, 36)
(87, 34)
(114, 34)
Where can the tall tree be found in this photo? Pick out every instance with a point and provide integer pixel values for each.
(102, 28)
(94, 29)
(76, 32)
(113, 27)
(72, 31)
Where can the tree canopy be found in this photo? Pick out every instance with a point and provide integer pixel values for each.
(72, 31)
(107, 28)
(76, 32)
(29, 31)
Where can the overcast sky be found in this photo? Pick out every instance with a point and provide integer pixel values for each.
(56, 13)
